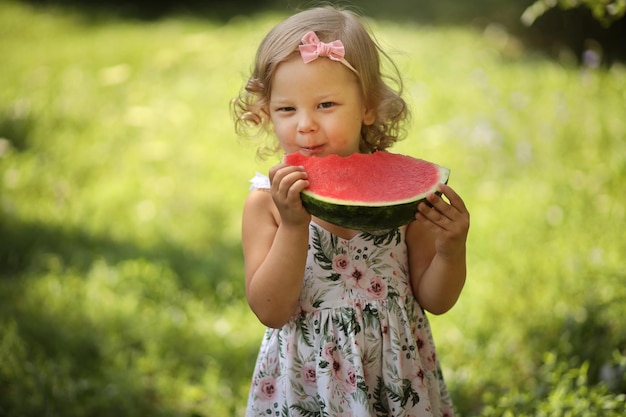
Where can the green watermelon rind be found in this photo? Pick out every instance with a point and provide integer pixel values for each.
(366, 216)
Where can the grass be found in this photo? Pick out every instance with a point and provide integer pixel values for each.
(122, 181)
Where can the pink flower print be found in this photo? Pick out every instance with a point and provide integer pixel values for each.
(433, 359)
(420, 344)
(349, 382)
(353, 277)
(377, 288)
(267, 388)
(357, 276)
(447, 412)
(309, 375)
(427, 353)
(336, 367)
(328, 352)
(420, 378)
(341, 263)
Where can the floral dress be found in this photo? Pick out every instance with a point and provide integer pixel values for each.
(358, 345)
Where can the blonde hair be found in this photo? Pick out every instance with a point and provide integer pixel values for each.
(250, 108)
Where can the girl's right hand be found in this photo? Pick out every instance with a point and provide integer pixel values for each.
(287, 182)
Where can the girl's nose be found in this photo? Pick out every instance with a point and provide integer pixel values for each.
(306, 123)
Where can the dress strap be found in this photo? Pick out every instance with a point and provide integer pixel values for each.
(260, 181)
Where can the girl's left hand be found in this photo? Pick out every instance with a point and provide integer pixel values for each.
(449, 222)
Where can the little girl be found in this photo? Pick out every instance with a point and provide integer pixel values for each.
(347, 333)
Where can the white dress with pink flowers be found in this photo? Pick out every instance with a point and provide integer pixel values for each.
(359, 344)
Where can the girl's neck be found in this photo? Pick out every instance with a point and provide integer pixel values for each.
(338, 231)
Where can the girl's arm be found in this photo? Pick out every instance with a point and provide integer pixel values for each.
(436, 247)
(275, 235)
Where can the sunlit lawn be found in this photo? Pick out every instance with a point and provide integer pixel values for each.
(121, 185)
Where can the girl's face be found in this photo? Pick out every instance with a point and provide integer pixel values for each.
(317, 108)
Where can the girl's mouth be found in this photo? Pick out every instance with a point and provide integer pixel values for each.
(312, 150)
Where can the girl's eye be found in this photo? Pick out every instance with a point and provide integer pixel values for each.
(286, 109)
(326, 105)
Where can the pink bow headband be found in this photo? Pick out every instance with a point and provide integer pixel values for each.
(312, 48)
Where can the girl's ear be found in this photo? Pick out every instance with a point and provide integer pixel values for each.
(369, 117)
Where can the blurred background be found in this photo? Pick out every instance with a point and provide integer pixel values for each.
(122, 182)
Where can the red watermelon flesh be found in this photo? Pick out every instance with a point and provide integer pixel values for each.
(367, 191)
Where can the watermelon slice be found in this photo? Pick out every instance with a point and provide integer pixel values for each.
(368, 192)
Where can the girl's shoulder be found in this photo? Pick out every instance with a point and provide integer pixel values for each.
(259, 204)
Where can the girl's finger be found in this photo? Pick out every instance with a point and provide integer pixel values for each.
(455, 200)
(433, 214)
(438, 207)
(279, 172)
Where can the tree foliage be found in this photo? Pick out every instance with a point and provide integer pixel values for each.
(605, 11)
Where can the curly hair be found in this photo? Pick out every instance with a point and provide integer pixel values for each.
(250, 107)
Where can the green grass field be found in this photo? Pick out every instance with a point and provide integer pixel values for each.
(122, 181)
